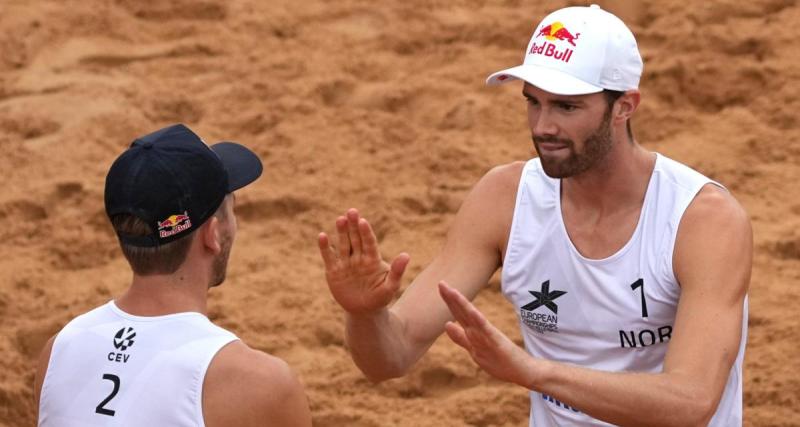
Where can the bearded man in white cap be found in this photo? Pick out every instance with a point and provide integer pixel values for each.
(628, 271)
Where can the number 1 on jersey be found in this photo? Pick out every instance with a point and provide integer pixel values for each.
(640, 284)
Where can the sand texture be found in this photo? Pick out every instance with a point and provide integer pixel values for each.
(378, 105)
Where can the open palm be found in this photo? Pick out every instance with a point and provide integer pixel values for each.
(358, 277)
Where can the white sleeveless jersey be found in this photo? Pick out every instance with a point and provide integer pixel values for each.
(613, 314)
(110, 368)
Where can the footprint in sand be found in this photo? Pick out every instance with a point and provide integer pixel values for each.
(440, 381)
(169, 108)
(787, 249)
(336, 92)
(281, 207)
(19, 210)
(437, 381)
(28, 126)
(167, 10)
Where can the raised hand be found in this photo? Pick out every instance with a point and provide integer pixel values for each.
(488, 347)
(359, 279)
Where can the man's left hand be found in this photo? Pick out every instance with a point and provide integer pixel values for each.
(494, 352)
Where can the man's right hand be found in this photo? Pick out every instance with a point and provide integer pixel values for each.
(359, 279)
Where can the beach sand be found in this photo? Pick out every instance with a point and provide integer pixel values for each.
(374, 105)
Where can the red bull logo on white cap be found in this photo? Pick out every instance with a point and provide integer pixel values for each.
(554, 32)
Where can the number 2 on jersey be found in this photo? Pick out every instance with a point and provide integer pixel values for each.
(101, 407)
(640, 284)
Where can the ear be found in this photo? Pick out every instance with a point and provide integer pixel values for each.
(210, 233)
(627, 105)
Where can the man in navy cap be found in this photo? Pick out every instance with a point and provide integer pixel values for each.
(151, 356)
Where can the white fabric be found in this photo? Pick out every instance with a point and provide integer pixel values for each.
(578, 50)
(159, 364)
(596, 315)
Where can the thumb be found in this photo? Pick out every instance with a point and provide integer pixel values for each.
(397, 269)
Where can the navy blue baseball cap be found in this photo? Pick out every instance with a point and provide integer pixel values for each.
(174, 182)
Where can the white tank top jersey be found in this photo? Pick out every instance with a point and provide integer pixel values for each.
(613, 314)
(110, 368)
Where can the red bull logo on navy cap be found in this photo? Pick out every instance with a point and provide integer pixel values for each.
(552, 33)
(174, 224)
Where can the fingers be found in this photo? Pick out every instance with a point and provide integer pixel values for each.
(347, 228)
(463, 311)
(326, 251)
(344, 239)
(456, 303)
(352, 231)
(457, 334)
(369, 242)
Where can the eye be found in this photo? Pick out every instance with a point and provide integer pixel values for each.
(567, 106)
(531, 101)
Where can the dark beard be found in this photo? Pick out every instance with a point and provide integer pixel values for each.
(595, 149)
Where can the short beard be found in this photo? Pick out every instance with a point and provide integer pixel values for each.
(595, 150)
(219, 268)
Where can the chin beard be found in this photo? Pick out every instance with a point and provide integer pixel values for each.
(595, 149)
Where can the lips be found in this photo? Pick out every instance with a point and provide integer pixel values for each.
(551, 146)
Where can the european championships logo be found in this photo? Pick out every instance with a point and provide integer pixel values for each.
(542, 322)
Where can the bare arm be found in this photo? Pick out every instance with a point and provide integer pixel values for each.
(386, 342)
(41, 371)
(245, 387)
(712, 261)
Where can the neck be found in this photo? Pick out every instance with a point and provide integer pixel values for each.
(619, 182)
(159, 295)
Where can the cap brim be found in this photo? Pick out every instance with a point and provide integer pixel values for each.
(242, 165)
(547, 79)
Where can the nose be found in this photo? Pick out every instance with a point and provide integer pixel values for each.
(541, 122)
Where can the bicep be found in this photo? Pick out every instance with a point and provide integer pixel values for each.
(712, 261)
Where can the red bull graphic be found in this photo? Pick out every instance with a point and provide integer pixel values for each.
(551, 33)
(174, 224)
(557, 31)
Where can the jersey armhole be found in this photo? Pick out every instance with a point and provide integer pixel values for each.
(517, 199)
(669, 263)
(202, 376)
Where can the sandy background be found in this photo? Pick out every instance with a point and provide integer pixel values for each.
(377, 105)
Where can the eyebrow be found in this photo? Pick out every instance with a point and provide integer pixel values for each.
(564, 100)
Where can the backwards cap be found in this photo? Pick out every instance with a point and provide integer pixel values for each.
(576, 51)
(174, 182)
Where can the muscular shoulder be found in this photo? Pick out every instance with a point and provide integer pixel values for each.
(714, 208)
(495, 192)
(487, 211)
(504, 177)
(246, 387)
(714, 240)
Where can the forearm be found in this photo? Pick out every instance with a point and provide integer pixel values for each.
(621, 398)
(378, 346)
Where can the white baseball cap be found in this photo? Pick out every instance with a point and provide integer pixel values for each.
(576, 51)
